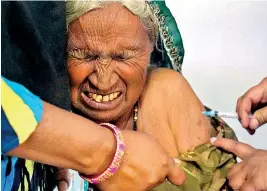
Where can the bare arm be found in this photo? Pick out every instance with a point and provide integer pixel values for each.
(67, 140)
(189, 126)
(93, 151)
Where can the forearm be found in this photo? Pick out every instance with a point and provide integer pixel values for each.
(67, 140)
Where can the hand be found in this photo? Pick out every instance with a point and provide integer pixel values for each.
(251, 173)
(64, 179)
(253, 100)
(145, 165)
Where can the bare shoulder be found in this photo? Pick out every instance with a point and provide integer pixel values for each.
(164, 86)
(159, 88)
(166, 81)
(162, 75)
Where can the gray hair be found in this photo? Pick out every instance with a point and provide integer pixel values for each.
(140, 8)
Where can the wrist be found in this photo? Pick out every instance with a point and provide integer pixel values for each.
(117, 158)
(102, 154)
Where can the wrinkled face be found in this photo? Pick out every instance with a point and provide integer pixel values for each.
(108, 55)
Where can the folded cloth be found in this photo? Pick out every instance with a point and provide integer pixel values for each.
(206, 167)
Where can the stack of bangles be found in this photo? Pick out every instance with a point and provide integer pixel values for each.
(116, 161)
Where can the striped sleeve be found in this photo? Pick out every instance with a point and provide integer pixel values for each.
(21, 111)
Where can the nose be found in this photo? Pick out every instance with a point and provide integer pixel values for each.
(104, 77)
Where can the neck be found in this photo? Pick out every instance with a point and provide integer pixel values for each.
(126, 121)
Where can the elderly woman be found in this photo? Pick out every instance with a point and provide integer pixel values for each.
(109, 58)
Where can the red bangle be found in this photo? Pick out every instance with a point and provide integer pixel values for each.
(116, 161)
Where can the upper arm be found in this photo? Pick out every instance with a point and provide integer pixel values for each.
(189, 127)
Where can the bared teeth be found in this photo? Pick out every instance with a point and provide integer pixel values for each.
(111, 97)
(94, 96)
(103, 98)
(116, 94)
(99, 98)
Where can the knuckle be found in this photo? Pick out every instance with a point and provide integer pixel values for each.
(151, 182)
(155, 180)
(165, 163)
(234, 185)
(235, 146)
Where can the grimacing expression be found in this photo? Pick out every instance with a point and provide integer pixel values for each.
(108, 56)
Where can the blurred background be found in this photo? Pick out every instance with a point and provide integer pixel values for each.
(225, 52)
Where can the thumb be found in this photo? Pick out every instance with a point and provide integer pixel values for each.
(62, 185)
(241, 150)
(259, 118)
(64, 179)
(176, 175)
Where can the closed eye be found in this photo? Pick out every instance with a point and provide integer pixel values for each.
(90, 57)
(82, 55)
(118, 57)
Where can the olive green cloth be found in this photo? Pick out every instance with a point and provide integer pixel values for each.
(206, 166)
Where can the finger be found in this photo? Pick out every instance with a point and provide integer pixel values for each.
(259, 118)
(237, 180)
(252, 97)
(64, 179)
(247, 186)
(250, 131)
(241, 150)
(238, 103)
(243, 110)
(236, 177)
(62, 185)
(235, 169)
(176, 175)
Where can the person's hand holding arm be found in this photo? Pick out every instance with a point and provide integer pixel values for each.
(255, 99)
(67, 140)
(251, 173)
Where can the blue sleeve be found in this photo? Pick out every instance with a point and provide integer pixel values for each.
(21, 111)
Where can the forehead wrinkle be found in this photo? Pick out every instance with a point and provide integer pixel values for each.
(105, 29)
(75, 38)
(86, 32)
(94, 33)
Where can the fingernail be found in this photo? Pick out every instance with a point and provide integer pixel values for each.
(254, 123)
(177, 161)
(251, 131)
(62, 185)
(213, 139)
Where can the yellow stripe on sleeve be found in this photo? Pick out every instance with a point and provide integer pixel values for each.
(19, 114)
